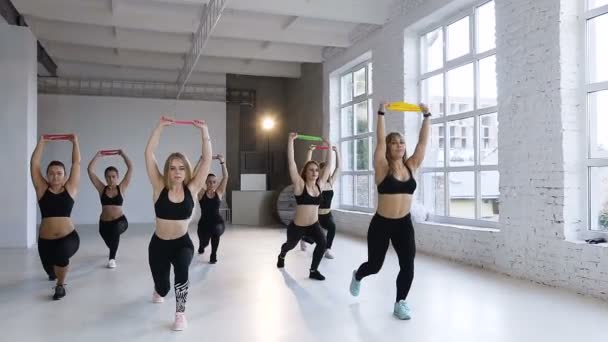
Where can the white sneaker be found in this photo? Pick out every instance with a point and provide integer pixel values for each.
(112, 263)
(303, 246)
(180, 321)
(329, 254)
(156, 298)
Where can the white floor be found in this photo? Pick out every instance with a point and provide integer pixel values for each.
(245, 298)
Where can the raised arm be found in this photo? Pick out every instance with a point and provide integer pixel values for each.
(418, 157)
(156, 179)
(198, 165)
(380, 162)
(221, 189)
(336, 172)
(40, 183)
(97, 183)
(198, 179)
(324, 176)
(126, 180)
(74, 181)
(311, 149)
(298, 182)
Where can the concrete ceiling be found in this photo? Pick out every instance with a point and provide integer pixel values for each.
(148, 39)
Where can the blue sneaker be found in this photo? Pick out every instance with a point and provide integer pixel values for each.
(402, 311)
(355, 285)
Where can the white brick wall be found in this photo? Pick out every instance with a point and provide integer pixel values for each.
(540, 137)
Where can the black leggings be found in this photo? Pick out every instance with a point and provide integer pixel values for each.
(210, 230)
(164, 253)
(327, 222)
(110, 232)
(295, 233)
(58, 252)
(401, 233)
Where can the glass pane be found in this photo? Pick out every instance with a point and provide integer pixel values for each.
(434, 152)
(489, 195)
(598, 53)
(362, 186)
(359, 82)
(347, 190)
(487, 82)
(486, 27)
(598, 183)
(363, 153)
(362, 117)
(432, 94)
(369, 78)
(432, 50)
(460, 89)
(347, 155)
(372, 192)
(598, 115)
(347, 121)
(347, 88)
(462, 194)
(434, 192)
(461, 151)
(488, 139)
(596, 3)
(458, 39)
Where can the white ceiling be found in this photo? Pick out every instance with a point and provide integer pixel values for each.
(148, 39)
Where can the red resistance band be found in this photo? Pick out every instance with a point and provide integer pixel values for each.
(182, 122)
(58, 136)
(109, 152)
(321, 147)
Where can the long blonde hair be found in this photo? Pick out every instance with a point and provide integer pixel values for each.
(389, 138)
(185, 161)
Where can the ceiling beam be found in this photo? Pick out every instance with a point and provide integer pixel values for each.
(361, 11)
(111, 72)
(13, 17)
(97, 36)
(160, 61)
(231, 26)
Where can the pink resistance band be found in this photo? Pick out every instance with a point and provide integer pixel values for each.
(109, 152)
(321, 147)
(58, 136)
(182, 122)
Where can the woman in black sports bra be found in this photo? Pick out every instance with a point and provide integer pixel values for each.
(112, 221)
(211, 224)
(58, 241)
(326, 219)
(307, 190)
(392, 223)
(173, 195)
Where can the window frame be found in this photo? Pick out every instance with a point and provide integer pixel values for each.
(443, 120)
(587, 89)
(366, 96)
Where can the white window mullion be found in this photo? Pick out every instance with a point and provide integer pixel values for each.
(473, 58)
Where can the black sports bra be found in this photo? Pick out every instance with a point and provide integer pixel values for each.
(167, 210)
(305, 199)
(107, 200)
(56, 205)
(391, 185)
(210, 207)
(326, 197)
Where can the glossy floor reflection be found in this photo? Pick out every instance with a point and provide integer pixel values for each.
(245, 298)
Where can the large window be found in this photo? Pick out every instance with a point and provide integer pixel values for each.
(357, 182)
(596, 99)
(458, 81)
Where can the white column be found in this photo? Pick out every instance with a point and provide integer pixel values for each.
(18, 119)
